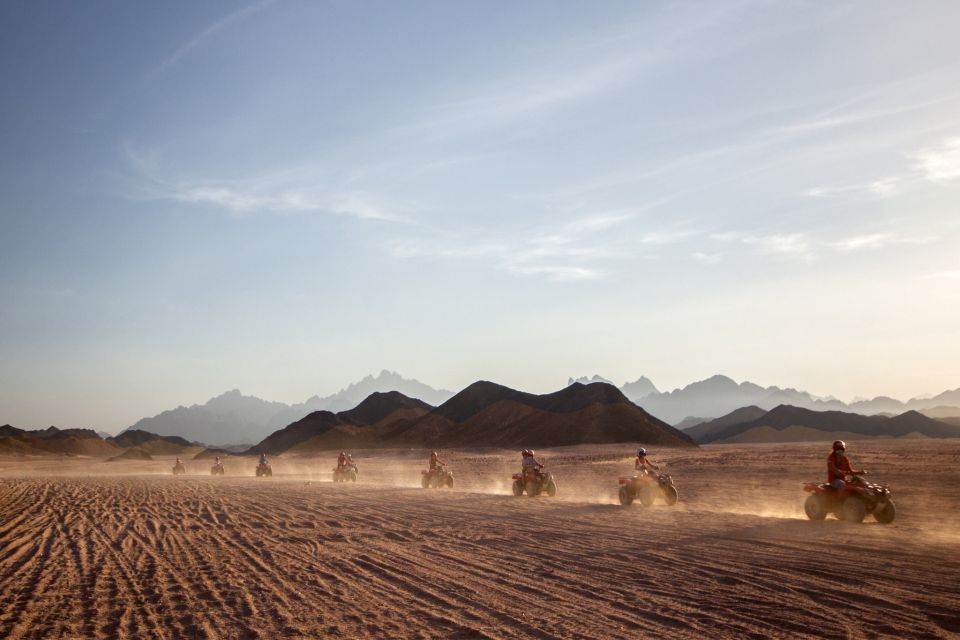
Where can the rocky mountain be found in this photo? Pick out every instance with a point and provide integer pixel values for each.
(796, 424)
(232, 417)
(639, 388)
(719, 395)
(484, 414)
(590, 380)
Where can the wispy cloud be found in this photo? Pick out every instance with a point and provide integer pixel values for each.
(876, 241)
(209, 32)
(290, 191)
(557, 273)
(249, 199)
(580, 249)
(881, 188)
(940, 164)
(792, 245)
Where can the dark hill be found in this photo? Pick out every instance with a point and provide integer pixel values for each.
(831, 422)
(138, 437)
(379, 406)
(7, 431)
(477, 397)
(484, 414)
(83, 442)
(315, 424)
(487, 414)
(702, 431)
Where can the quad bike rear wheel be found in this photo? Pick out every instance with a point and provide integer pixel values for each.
(425, 482)
(532, 489)
(815, 506)
(886, 514)
(670, 495)
(517, 488)
(626, 496)
(647, 496)
(853, 510)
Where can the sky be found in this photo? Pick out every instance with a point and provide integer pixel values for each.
(284, 196)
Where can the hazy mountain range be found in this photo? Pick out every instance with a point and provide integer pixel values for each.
(232, 417)
(719, 395)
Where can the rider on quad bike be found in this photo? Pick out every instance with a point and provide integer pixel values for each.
(838, 467)
(436, 475)
(346, 468)
(532, 478)
(846, 494)
(642, 463)
(529, 462)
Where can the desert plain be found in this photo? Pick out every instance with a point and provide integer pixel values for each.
(97, 549)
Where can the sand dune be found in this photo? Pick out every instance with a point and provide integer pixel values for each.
(87, 552)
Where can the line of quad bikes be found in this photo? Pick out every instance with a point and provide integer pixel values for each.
(858, 499)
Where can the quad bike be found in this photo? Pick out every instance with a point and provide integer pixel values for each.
(534, 481)
(346, 473)
(852, 503)
(217, 469)
(179, 469)
(648, 486)
(264, 469)
(437, 477)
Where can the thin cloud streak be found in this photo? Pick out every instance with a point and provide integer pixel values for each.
(209, 32)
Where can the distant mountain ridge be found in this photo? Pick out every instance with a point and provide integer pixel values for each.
(787, 423)
(719, 395)
(232, 417)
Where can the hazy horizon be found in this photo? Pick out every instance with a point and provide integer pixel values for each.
(283, 197)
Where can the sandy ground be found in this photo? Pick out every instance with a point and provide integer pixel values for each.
(90, 549)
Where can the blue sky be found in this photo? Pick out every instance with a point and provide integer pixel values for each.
(285, 196)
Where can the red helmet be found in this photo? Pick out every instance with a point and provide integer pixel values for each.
(526, 453)
(839, 444)
(433, 454)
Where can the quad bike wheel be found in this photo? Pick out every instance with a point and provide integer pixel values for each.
(450, 482)
(551, 488)
(425, 482)
(517, 488)
(886, 514)
(352, 476)
(815, 506)
(648, 496)
(532, 489)
(853, 510)
(626, 496)
(670, 495)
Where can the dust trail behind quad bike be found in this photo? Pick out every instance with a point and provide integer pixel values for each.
(240, 557)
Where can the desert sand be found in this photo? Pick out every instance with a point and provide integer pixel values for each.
(96, 549)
